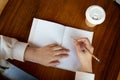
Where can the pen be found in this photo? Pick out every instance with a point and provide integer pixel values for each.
(93, 55)
(90, 53)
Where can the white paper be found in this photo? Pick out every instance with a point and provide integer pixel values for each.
(45, 32)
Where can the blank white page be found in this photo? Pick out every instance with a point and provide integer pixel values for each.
(72, 63)
(45, 32)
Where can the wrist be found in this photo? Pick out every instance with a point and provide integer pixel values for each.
(28, 53)
(86, 68)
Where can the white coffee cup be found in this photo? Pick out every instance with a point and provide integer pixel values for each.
(94, 15)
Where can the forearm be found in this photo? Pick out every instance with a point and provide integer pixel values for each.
(86, 68)
(29, 54)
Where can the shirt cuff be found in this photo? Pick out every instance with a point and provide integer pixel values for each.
(19, 50)
(84, 76)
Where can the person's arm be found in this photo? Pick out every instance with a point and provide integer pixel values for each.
(49, 55)
(11, 48)
(84, 50)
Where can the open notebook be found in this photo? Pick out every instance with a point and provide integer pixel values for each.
(45, 32)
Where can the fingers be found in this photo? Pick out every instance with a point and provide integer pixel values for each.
(54, 63)
(52, 45)
(85, 39)
(77, 46)
(55, 60)
(61, 51)
(87, 51)
(57, 57)
(58, 52)
(86, 43)
(57, 47)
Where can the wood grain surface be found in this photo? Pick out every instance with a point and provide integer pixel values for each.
(2, 5)
(16, 20)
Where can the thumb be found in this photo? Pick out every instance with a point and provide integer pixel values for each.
(77, 46)
(87, 52)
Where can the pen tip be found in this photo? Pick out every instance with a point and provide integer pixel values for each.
(98, 60)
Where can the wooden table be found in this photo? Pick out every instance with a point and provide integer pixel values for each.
(16, 21)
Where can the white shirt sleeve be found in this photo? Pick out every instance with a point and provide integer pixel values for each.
(84, 76)
(11, 48)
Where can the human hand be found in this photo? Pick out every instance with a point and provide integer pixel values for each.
(48, 55)
(84, 50)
